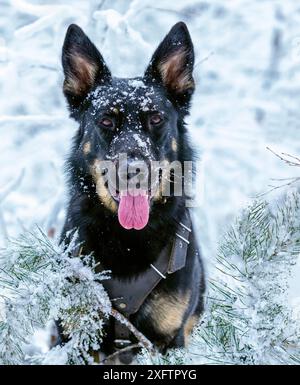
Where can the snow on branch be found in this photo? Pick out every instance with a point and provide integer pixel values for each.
(41, 281)
(290, 160)
(248, 317)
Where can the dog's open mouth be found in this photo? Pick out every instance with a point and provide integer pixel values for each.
(133, 205)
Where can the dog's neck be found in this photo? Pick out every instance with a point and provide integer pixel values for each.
(126, 252)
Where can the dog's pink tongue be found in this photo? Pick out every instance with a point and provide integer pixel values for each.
(133, 210)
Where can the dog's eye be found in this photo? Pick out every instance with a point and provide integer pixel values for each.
(155, 119)
(107, 123)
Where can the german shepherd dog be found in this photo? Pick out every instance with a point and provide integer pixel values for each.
(142, 117)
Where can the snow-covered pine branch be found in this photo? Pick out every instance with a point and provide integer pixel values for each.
(41, 281)
(248, 318)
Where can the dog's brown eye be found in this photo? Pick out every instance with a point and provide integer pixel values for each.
(155, 119)
(107, 123)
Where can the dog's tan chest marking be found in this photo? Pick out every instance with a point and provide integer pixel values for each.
(167, 311)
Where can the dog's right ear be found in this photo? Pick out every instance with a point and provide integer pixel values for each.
(83, 66)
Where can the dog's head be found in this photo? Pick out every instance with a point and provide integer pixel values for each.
(127, 126)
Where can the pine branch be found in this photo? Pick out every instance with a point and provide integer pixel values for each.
(285, 158)
(248, 320)
(143, 340)
(59, 286)
(123, 350)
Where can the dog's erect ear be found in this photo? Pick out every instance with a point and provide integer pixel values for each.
(83, 66)
(172, 63)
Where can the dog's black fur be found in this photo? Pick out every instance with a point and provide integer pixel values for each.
(110, 111)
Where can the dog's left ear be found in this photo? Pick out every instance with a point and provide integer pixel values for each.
(172, 63)
(83, 65)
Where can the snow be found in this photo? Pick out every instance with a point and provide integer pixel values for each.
(142, 144)
(137, 83)
(2, 311)
(247, 74)
(58, 286)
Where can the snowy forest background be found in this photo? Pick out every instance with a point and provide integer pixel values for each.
(247, 99)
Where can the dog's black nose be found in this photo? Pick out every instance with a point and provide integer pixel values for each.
(134, 174)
